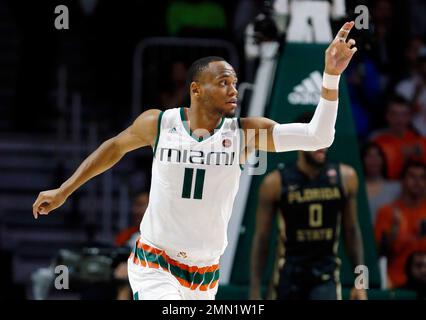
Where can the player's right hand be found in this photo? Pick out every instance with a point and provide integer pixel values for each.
(48, 201)
(339, 53)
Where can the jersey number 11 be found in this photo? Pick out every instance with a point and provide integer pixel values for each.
(199, 183)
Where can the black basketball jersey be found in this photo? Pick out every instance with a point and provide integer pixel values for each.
(312, 210)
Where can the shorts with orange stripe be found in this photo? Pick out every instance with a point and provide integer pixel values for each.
(153, 275)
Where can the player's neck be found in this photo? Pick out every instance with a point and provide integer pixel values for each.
(201, 118)
(311, 171)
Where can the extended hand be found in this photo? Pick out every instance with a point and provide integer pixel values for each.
(340, 52)
(48, 201)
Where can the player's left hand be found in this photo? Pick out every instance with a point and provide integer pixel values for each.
(340, 52)
(358, 294)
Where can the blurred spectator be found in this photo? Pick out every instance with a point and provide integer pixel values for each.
(380, 191)
(415, 271)
(413, 90)
(263, 29)
(417, 11)
(175, 91)
(389, 26)
(365, 92)
(195, 18)
(126, 236)
(245, 13)
(398, 141)
(401, 225)
(382, 14)
(411, 58)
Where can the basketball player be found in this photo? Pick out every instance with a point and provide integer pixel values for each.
(196, 171)
(314, 196)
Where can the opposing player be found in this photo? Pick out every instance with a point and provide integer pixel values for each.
(316, 198)
(196, 171)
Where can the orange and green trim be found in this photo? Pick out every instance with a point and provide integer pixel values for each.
(192, 277)
(185, 121)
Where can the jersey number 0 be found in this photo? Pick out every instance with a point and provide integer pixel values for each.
(315, 215)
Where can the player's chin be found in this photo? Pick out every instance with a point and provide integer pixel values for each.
(229, 110)
(320, 158)
(320, 155)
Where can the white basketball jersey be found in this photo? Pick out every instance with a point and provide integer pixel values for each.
(194, 183)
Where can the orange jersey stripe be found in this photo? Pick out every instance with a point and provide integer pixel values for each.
(175, 263)
(182, 282)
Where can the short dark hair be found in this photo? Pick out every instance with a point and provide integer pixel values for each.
(409, 263)
(198, 66)
(397, 99)
(412, 163)
(372, 145)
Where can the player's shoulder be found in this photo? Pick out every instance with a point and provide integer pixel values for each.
(157, 117)
(272, 179)
(156, 112)
(173, 113)
(150, 115)
(145, 125)
(347, 171)
(271, 186)
(256, 123)
(349, 178)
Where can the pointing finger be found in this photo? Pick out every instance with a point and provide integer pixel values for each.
(343, 33)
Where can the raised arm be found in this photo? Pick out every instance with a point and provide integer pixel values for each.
(319, 133)
(141, 133)
(269, 194)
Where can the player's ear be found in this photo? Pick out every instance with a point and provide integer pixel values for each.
(195, 88)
